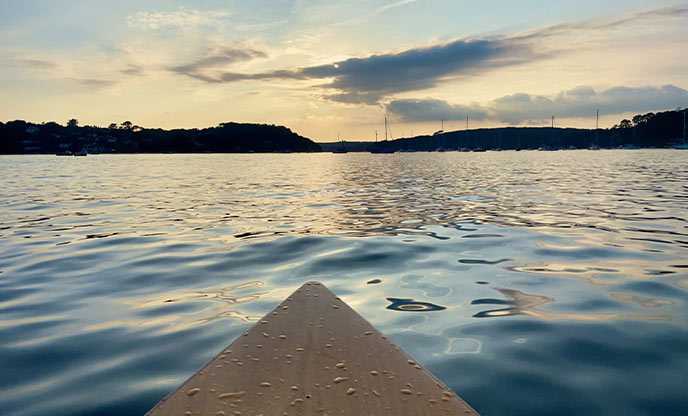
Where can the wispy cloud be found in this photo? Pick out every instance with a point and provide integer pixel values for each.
(393, 5)
(38, 64)
(178, 18)
(519, 108)
(132, 70)
(219, 56)
(666, 13)
(365, 17)
(91, 82)
(55, 71)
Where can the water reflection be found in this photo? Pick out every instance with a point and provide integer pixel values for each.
(410, 305)
(224, 303)
(477, 261)
(521, 303)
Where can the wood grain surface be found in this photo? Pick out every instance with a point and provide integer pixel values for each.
(312, 355)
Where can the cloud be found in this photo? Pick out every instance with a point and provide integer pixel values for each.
(583, 101)
(38, 64)
(179, 18)
(363, 18)
(216, 57)
(91, 82)
(367, 80)
(393, 5)
(55, 71)
(256, 27)
(374, 78)
(432, 109)
(132, 70)
(419, 68)
(519, 108)
(666, 13)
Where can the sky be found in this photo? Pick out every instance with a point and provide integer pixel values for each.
(329, 69)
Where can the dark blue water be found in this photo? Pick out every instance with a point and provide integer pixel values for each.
(529, 282)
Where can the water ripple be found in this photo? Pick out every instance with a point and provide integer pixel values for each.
(539, 281)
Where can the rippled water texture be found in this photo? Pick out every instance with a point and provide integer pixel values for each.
(529, 282)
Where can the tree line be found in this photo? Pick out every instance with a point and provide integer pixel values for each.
(24, 137)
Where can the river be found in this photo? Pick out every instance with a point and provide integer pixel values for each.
(529, 282)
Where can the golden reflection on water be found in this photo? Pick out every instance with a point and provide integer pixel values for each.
(599, 217)
(222, 304)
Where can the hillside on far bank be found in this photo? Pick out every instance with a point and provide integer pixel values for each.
(21, 137)
(647, 130)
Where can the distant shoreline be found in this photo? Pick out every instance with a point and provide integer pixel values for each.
(653, 130)
(21, 137)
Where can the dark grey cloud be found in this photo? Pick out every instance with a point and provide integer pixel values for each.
(367, 80)
(355, 97)
(377, 76)
(214, 58)
(518, 108)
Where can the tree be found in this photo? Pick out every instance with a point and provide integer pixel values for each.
(625, 124)
(112, 126)
(127, 125)
(73, 123)
(642, 118)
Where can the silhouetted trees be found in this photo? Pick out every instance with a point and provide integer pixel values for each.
(646, 130)
(638, 119)
(22, 137)
(625, 124)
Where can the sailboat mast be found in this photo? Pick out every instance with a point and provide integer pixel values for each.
(385, 128)
(597, 123)
(597, 127)
(442, 124)
(684, 126)
(466, 122)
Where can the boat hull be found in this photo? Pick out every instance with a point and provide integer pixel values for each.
(312, 355)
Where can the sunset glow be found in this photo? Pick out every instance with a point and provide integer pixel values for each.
(329, 68)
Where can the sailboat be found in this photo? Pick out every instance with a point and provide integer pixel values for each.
(340, 148)
(384, 146)
(596, 146)
(684, 145)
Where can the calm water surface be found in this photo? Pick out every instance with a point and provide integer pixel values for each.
(529, 282)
